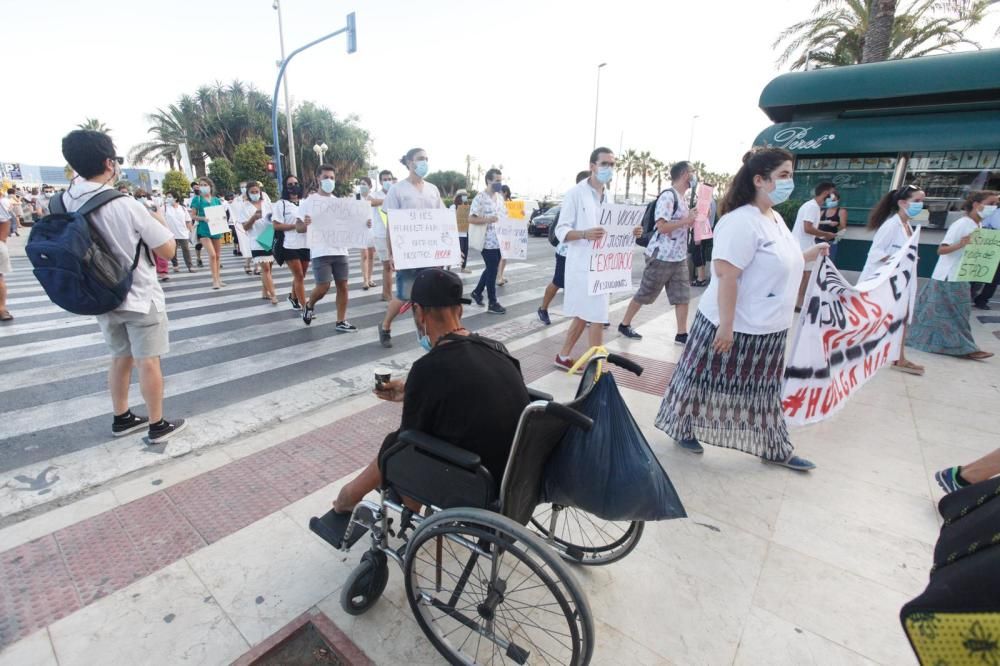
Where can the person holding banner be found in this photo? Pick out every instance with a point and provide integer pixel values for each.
(833, 220)
(486, 209)
(559, 275)
(294, 247)
(199, 203)
(255, 218)
(941, 319)
(667, 256)
(891, 219)
(329, 263)
(727, 388)
(806, 230)
(983, 291)
(413, 192)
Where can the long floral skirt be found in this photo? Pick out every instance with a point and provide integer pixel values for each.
(941, 319)
(732, 400)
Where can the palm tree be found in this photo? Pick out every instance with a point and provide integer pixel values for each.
(94, 124)
(626, 165)
(658, 171)
(643, 168)
(836, 33)
(878, 39)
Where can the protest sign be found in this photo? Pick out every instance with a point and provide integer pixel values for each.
(515, 209)
(981, 257)
(462, 218)
(424, 237)
(513, 236)
(338, 222)
(702, 225)
(846, 333)
(217, 224)
(610, 269)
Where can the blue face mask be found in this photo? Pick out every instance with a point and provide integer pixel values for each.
(605, 174)
(913, 208)
(386, 184)
(254, 196)
(424, 341)
(421, 168)
(327, 184)
(832, 203)
(782, 190)
(205, 190)
(496, 187)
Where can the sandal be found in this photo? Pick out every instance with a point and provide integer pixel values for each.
(979, 355)
(5, 315)
(274, 299)
(247, 271)
(909, 367)
(502, 282)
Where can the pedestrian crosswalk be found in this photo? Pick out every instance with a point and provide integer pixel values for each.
(237, 363)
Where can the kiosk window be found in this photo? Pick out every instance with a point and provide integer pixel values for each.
(948, 176)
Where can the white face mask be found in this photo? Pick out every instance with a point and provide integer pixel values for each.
(988, 210)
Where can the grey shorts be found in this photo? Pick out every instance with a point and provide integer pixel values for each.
(328, 269)
(671, 276)
(135, 334)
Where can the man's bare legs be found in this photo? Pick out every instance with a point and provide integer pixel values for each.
(572, 335)
(150, 384)
(355, 490)
(550, 293)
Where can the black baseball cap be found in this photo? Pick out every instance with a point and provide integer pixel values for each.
(437, 288)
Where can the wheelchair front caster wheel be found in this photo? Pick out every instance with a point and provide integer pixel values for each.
(365, 584)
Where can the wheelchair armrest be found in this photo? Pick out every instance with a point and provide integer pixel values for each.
(441, 449)
(535, 394)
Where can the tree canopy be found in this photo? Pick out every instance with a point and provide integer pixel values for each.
(448, 182)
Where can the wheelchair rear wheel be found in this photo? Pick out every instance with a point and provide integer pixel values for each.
(583, 538)
(486, 590)
(365, 584)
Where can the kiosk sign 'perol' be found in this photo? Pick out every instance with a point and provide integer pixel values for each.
(797, 139)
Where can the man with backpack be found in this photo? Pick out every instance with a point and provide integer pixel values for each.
(666, 255)
(135, 330)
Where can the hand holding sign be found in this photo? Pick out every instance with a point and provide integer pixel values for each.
(215, 217)
(980, 257)
(613, 242)
(336, 222)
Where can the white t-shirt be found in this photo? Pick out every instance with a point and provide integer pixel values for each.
(808, 212)
(123, 223)
(285, 212)
(889, 238)
(177, 218)
(243, 211)
(318, 247)
(771, 261)
(404, 196)
(671, 247)
(947, 264)
(6, 209)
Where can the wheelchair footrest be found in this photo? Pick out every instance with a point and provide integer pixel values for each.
(337, 529)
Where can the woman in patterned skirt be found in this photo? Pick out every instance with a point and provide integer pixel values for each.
(726, 390)
(941, 318)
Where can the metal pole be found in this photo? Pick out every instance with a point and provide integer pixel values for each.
(691, 140)
(288, 105)
(352, 46)
(597, 99)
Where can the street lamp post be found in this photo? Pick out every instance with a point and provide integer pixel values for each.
(597, 99)
(320, 150)
(288, 105)
(691, 139)
(352, 46)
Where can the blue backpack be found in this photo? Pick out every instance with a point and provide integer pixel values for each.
(74, 264)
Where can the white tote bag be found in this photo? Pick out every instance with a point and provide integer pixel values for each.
(477, 236)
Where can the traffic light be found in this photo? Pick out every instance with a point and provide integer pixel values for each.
(269, 150)
(270, 166)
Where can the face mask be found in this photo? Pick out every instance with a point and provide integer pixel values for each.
(421, 168)
(205, 190)
(49, 195)
(327, 185)
(170, 200)
(243, 189)
(782, 190)
(988, 210)
(605, 174)
(424, 340)
(913, 208)
(254, 196)
(832, 203)
(386, 184)
(364, 189)
(496, 187)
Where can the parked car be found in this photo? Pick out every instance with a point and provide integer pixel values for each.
(539, 226)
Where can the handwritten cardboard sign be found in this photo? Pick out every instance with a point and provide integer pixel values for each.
(610, 269)
(341, 223)
(515, 209)
(981, 257)
(217, 223)
(424, 237)
(513, 236)
(462, 218)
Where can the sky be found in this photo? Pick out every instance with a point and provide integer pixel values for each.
(510, 83)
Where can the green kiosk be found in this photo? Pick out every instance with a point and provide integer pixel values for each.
(932, 121)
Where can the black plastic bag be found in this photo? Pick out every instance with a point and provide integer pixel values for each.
(610, 471)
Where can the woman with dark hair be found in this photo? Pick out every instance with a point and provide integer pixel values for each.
(295, 251)
(254, 215)
(832, 220)
(726, 390)
(891, 219)
(941, 321)
(199, 203)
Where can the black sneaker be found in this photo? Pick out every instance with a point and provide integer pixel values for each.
(346, 327)
(164, 430)
(128, 423)
(629, 332)
(307, 315)
(496, 308)
(384, 337)
(681, 339)
(478, 298)
(295, 302)
(543, 316)
(981, 306)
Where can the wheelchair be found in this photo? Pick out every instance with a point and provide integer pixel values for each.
(485, 565)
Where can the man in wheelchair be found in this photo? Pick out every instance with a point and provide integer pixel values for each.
(467, 390)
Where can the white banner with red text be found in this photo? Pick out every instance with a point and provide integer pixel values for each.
(846, 333)
(610, 266)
